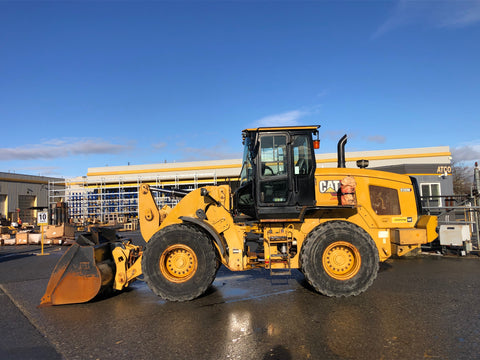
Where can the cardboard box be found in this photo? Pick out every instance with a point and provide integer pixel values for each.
(34, 238)
(59, 231)
(21, 238)
(10, 241)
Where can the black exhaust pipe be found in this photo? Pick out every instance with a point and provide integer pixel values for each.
(341, 151)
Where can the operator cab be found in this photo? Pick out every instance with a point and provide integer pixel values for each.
(277, 180)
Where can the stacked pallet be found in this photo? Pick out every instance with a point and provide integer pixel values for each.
(56, 235)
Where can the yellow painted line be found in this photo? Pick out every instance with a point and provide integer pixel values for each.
(436, 174)
(146, 171)
(170, 182)
(388, 157)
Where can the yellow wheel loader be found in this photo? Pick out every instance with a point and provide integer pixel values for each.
(333, 224)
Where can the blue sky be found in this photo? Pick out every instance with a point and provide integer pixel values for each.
(87, 84)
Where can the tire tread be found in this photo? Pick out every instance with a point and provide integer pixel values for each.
(308, 261)
(210, 265)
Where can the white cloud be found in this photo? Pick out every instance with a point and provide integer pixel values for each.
(60, 148)
(218, 151)
(159, 146)
(435, 14)
(39, 170)
(467, 152)
(333, 135)
(289, 118)
(400, 16)
(379, 139)
(459, 14)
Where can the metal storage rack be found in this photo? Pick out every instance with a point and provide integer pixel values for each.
(458, 210)
(116, 200)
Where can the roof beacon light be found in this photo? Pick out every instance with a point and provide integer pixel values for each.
(316, 142)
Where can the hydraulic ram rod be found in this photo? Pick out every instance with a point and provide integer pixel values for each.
(170, 191)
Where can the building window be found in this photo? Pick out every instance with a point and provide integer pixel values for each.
(431, 195)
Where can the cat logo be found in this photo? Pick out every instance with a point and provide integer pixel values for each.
(329, 186)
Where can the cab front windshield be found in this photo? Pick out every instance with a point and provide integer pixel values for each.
(247, 168)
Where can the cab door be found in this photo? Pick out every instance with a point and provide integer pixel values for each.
(303, 170)
(286, 175)
(273, 182)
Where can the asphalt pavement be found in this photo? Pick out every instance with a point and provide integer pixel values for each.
(425, 307)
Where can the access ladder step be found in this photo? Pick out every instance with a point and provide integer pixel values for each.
(280, 272)
(283, 259)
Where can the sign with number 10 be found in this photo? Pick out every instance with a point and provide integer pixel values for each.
(42, 218)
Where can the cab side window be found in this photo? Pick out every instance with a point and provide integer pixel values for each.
(302, 159)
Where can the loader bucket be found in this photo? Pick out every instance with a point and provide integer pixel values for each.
(75, 279)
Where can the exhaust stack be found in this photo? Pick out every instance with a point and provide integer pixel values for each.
(341, 151)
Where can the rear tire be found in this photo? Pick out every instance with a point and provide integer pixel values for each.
(339, 258)
(179, 263)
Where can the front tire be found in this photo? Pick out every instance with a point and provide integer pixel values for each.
(339, 259)
(179, 263)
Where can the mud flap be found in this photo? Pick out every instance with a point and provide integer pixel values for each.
(75, 279)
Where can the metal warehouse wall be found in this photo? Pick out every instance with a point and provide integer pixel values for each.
(19, 191)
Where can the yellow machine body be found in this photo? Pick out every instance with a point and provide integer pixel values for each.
(395, 231)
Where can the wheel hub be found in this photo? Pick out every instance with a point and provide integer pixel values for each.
(341, 260)
(178, 263)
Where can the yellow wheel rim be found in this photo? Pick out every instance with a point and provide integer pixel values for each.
(341, 260)
(178, 263)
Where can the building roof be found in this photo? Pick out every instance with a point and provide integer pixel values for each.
(32, 179)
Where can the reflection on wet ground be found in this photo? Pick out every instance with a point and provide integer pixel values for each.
(417, 308)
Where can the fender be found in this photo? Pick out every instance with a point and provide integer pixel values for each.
(221, 244)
